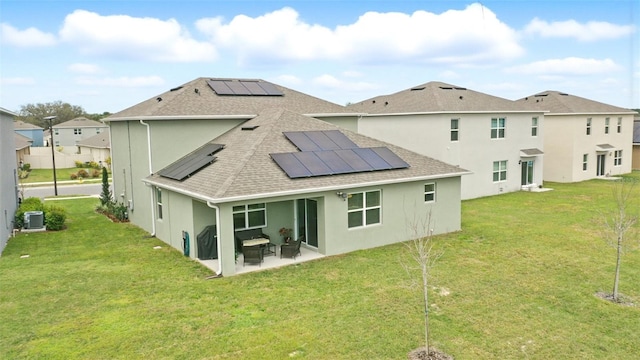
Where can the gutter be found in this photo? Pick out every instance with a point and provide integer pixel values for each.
(458, 112)
(153, 208)
(182, 117)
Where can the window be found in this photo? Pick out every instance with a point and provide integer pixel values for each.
(619, 125)
(364, 209)
(55, 131)
(497, 128)
(534, 126)
(606, 125)
(159, 203)
(585, 159)
(430, 192)
(499, 171)
(77, 131)
(97, 130)
(454, 130)
(588, 126)
(617, 158)
(249, 216)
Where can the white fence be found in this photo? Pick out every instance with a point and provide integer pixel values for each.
(40, 158)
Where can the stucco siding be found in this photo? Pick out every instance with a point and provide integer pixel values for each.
(8, 182)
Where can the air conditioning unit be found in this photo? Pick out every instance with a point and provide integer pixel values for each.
(33, 220)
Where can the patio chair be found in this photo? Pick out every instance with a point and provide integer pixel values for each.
(252, 255)
(292, 249)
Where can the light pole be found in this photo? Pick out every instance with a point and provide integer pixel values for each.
(53, 154)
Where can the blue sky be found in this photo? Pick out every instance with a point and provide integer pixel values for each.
(107, 55)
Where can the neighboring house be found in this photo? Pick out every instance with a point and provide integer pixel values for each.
(8, 176)
(33, 132)
(245, 188)
(635, 165)
(69, 133)
(23, 148)
(584, 139)
(498, 140)
(97, 146)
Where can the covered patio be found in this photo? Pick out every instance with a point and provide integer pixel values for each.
(270, 261)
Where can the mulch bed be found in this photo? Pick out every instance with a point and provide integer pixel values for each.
(434, 354)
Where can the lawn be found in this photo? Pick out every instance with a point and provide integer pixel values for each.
(46, 175)
(517, 282)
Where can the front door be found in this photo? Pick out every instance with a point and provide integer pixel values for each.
(307, 221)
(527, 173)
(600, 165)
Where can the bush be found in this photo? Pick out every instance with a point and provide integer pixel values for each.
(79, 164)
(108, 161)
(73, 176)
(94, 165)
(82, 173)
(120, 212)
(29, 204)
(54, 217)
(26, 167)
(95, 173)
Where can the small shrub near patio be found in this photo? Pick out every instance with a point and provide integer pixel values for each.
(94, 165)
(54, 218)
(82, 173)
(29, 204)
(79, 164)
(74, 176)
(95, 173)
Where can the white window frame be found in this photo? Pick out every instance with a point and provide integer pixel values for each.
(77, 131)
(619, 125)
(500, 171)
(585, 162)
(499, 130)
(363, 209)
(607, 121)
(455, 130)
(159, 214)
(534, 126)
(430, 192)
(588, 126)
(617, 158)
(250, 209)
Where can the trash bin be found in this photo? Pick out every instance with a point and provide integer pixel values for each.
(208, 243)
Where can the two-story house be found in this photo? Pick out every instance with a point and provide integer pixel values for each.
(33, 132)
(68, 133)
(584, 139)
(8, 176)
(498, 140)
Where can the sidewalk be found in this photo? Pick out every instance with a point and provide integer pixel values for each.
(64, 182)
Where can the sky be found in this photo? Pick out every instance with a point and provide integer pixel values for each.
(108, 55)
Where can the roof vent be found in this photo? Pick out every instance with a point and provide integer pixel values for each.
(386, 103)
(373, 101)
(249, 128)
(176, 88)
(460, 88)
(461, 97)
(417, 88)
(564, 94)
(158, 99)
(446, 88)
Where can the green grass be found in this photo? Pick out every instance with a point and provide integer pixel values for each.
(517, 282)
(46, 175)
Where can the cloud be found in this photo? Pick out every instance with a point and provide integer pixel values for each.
(289, 79)
(122, 36)
(124, 81)
(17, 81)
(30, 37)
(472, 35)
(590, 31)
(566, 66)
(84, 68)
(330, 82)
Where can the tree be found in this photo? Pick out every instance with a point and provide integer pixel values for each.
(35, 113)
(420, 251)
(617, 222)
(105, 196)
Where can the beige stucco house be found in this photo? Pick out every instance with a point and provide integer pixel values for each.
(23, 147)
(98, 147)
(69, 133)
(498, 140)
(584, 139)
(635, 163)
(8, 176)
(221, 152)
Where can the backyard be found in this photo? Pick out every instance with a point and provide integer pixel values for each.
(517, 282)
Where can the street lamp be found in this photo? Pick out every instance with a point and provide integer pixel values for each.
(53, 155)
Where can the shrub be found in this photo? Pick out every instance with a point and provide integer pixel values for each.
(120, 212)
(73, 176)
(29, 204)
(82, 173)
(95, 173)
(54, 217)
(94, 165)
(23, 174)
(108, 161)
(26, 167)
(105, 196)
(79, 164)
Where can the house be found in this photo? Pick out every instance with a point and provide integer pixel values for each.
(23, 147)
(8, 176)
(233, 130)
(635, 163)
(498, 140)
(68, 133)
(97, 146)
(584, 139)
(33, 132)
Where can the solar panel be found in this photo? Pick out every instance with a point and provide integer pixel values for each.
(341, 139)
(334, 162)
(220, 87)
(313, 163)
(372, 158)
(238, 88)
(254, 88)
(270, 88)
(353, 160)
(191, 163)
(291, 165)
(301, 141)
(390, 157)
(322, 140)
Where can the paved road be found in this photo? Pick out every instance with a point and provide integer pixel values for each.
(77, 189)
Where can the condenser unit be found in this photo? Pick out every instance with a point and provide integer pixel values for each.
(33, 220)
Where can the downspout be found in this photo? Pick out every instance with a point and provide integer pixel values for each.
(217, 209)
(153, 206)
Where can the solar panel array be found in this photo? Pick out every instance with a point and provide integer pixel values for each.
(191, 163)
(331, 153)
(243, 87)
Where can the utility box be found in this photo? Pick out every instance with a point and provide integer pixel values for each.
(33, 220)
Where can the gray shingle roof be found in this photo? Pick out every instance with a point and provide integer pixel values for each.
(21, 125)
(437, 97)
(244, 169)
(556, 102)
(97, 141)
(22, 141)
(197, 99)
(80, 122)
